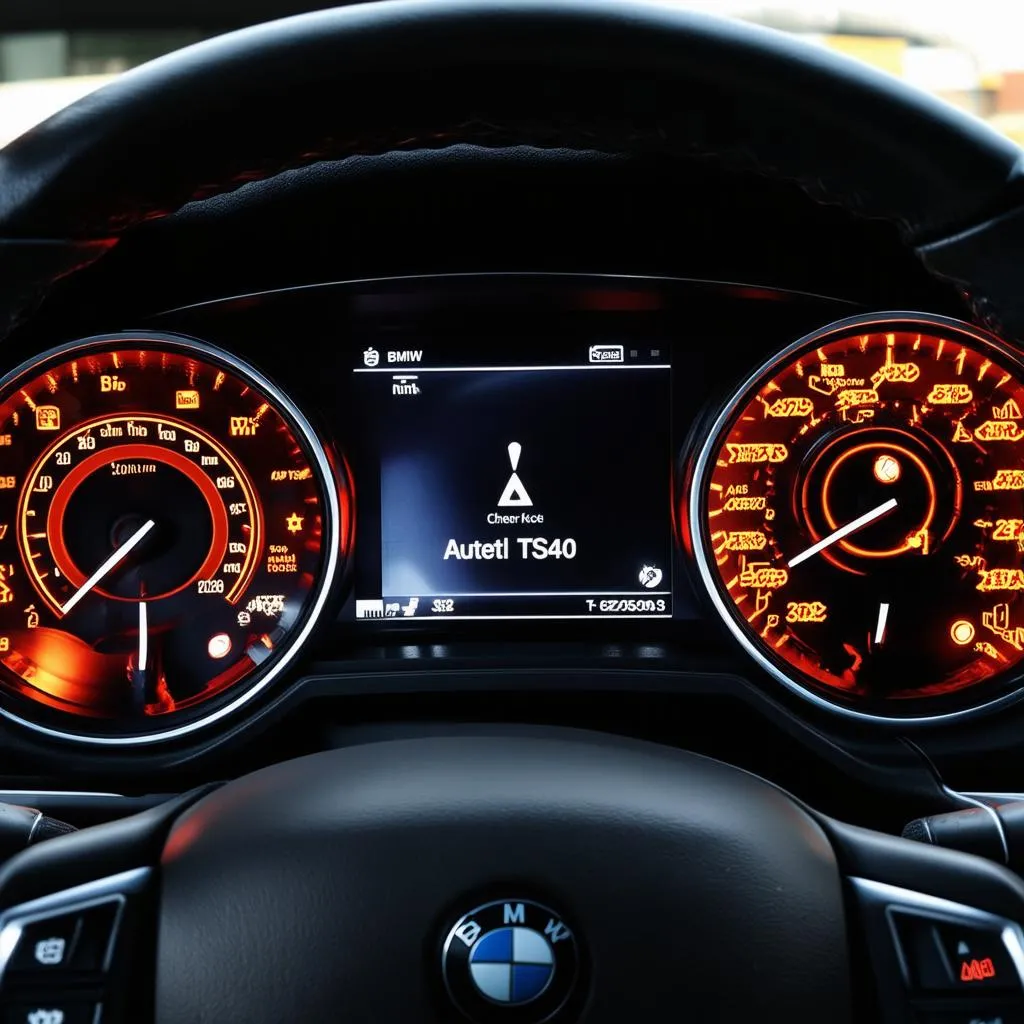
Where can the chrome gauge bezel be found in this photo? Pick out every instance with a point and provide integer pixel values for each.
(696, 504)
(263, 677)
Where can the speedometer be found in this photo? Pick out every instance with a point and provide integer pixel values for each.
(169, 529)
(857, 514)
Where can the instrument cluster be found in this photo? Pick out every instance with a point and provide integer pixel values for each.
(858, 513)
(186, 507)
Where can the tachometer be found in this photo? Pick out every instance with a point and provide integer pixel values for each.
(857, 514)
(169, 528)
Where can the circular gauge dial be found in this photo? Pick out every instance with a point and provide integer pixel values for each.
(169, 526)
(859, 513)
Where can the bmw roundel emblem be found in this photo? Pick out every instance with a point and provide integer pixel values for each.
(510, 960)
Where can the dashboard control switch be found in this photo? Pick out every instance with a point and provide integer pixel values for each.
(926, 960)
(95, 937)
(972, 1015)
(73, 942)
(961, 958)
(47, 946)
(54, 1011)
(979, 958)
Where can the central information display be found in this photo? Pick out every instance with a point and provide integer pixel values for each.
(526, 490)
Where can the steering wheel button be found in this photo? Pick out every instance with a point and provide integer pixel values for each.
(946, 957)
(47, 945)
(978, 958)
(926, 961)
(95, 937)
(972, 1014)
(50, 1011)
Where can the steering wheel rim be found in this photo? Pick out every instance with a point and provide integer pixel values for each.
(588, 74)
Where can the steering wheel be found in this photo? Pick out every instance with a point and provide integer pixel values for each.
(514, 875)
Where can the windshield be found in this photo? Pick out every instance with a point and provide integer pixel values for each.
(971, 55)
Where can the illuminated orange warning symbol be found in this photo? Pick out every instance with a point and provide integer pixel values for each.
(961, 435)
(961, 632)
(1006, 529)
(998, 430)
(763, 576)
(745, 540)
(896, 373)
(887, 469)
(47, 417)
(856, 396)
(799, 405)
(186, 399)
(757, 452)
(998, 621)
(859, 415)
(1009, 480)
(1001, 579)
(294, 523)
(243, 426)
(977, 970)
(950, 394)
(919, 540)
(762, 599)
(752, 503)
(823, 387)
(1009, 410)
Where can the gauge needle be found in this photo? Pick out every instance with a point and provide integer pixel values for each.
(108, 564)
(143, 637)
(844, 531)
(883, 616)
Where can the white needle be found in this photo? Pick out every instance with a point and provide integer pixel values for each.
(883, 615)
(844, 531)
(108, 564)
(143, 637)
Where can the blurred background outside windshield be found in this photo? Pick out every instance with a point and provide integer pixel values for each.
(972, 55)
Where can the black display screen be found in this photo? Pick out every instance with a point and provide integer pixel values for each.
(536, 486)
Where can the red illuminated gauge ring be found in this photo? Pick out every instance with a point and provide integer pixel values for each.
(55, 518)
(332, 527)
(696, 506)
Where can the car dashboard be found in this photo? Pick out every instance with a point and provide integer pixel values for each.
(502, 500)
(483, 493)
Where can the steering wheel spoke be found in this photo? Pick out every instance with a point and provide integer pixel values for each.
(80, 955)
(78, 922)
(937, 961)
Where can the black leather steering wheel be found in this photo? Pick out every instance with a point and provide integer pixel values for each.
(588, 74)
(330, 888)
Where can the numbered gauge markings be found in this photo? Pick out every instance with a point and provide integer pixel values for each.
(858, 513)
(168, 526)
